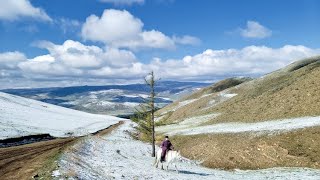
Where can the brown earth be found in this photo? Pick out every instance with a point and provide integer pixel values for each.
(36, 160)
(299, 148)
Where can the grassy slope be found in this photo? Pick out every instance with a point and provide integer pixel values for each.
(201, 100)
(293, 91)
(244, 151)
(289, 92)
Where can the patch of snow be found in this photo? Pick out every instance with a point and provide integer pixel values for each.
(70, 103)
(118, 156)
(109, 91)
(21, 117)
(43, 95)
(164, 98)
(258, 127)
(228, 95)
(221, 97)
(212, 102)
(93, 96)
(130, 96)
(131, 104)
(206, 95)
(179, 105)
(186, 124)
(56, 173)
(184, 103)
(105, 103)
(156, 119)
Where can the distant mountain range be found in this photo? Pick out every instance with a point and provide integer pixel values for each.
(110, 99)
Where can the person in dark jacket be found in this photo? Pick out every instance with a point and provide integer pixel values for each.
(165, 146)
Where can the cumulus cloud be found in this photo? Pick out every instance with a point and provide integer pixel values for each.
(73, 62)
(15, 9)
(113, 26)
(9, 64)
(249, 61)
(255, 30)
(10, 60)
(121, 29)
(123, 2)
(73, 58)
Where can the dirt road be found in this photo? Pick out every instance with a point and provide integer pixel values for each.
(24, 162)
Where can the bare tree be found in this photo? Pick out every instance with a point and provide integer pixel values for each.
(151, 83)
(144, 114)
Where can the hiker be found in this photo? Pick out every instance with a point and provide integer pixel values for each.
(165, 146)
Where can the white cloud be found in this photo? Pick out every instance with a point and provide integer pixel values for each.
(10, 60)
(121, 29)
(113, 26)
(73, 58)
(75, 62)
(187, 40)
(249, 61)
(123, 2)
(135, 71)
(9, 64)
(255, 30)
(15, 9)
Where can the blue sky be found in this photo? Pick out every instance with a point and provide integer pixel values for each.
(119, 41)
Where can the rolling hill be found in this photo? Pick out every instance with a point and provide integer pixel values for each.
(271, 121)
(286, 93)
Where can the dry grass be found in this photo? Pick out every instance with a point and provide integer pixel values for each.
(283, 94)
(172, 114)
(245, 151)
(293, 91)
(218, 87)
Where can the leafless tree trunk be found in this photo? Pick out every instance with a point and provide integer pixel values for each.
(151, 83)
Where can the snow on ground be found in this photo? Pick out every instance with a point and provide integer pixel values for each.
(179, 105)
(109, 91)
(184, 103)
(118, 156)
(221, 97)
(21, 117)
(228, 95)
(258, 127)
(131, 104)
(186, 124)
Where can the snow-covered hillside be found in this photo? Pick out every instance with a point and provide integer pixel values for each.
(21, 117)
